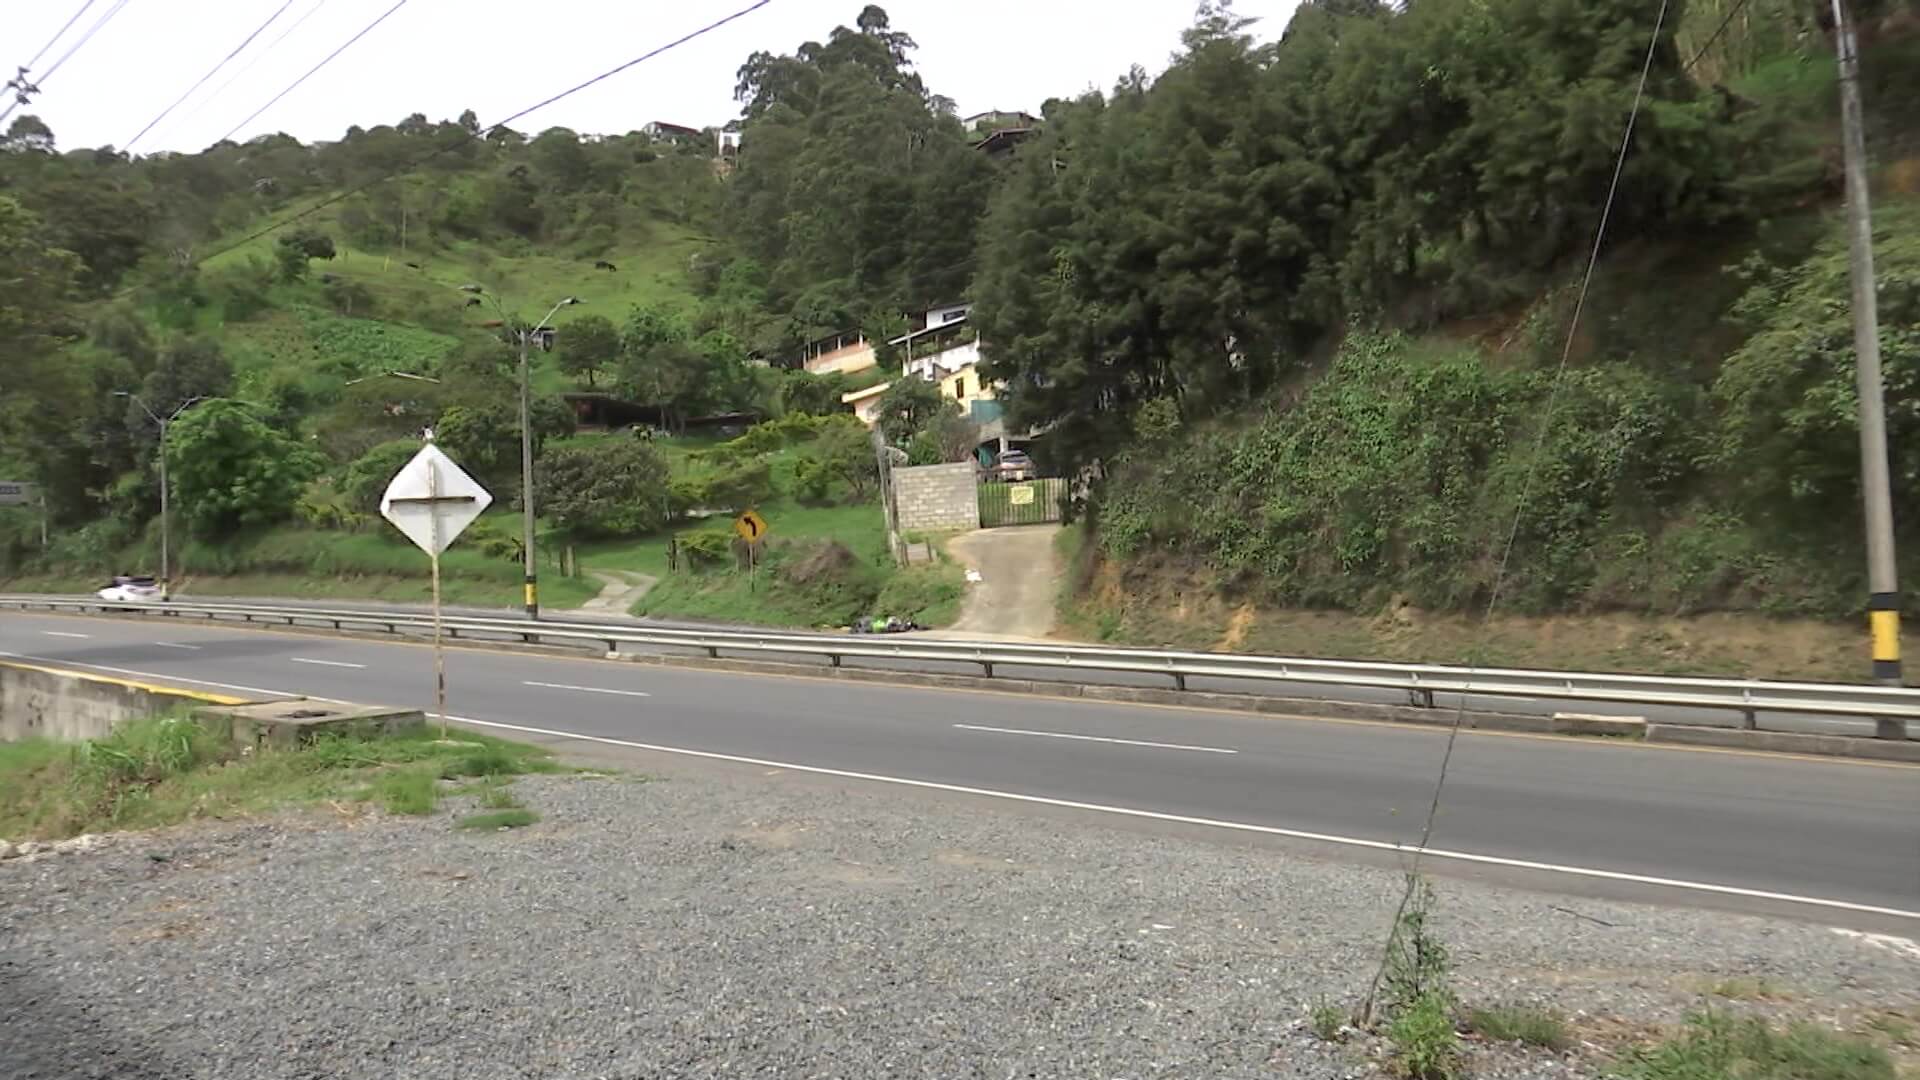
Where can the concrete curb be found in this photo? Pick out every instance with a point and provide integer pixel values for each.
(1574, 725)
(1784, 742)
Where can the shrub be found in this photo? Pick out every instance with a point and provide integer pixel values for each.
(1425, 1045)
(609, 487)
(705, 550)
(366, 480)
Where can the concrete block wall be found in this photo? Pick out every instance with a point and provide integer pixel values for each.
(937, 497)
(70, 705)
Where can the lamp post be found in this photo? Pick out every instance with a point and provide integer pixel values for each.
(166, 522)
(524, 335)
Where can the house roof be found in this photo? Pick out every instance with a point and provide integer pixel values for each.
(857, 396)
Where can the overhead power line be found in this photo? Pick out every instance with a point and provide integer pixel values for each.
(252, 60)
(74, 18)
(211, 72)
(1700, 54)
(291, 87)
(23, 87)
(466, 136)
(84, 38)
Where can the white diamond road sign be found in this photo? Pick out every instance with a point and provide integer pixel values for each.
(432, 500)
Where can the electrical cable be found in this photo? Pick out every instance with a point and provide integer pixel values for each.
(22, 87)
(255, 59)
(291, 87)
(1700, 54)
(215, 70)
(84, 38)
(467, 136)
(56, 37)
(1519, 510)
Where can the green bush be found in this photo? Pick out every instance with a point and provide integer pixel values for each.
(1425, 1044)
(366, 480)
(705, 550)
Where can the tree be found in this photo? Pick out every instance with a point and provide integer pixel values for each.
(844, 232)
(614, 486)
(843, 453)
(187, 369)
(813, 395)
(366, 480)
(293, 249)
(908, 406)
(230, 470)
(588, 346)
(1788, 433)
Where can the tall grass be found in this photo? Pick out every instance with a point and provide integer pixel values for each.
(170, 769)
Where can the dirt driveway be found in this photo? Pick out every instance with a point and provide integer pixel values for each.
(1020, 576)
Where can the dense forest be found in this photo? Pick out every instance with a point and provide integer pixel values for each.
(1302, 299)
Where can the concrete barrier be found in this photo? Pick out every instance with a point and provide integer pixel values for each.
(37, 701)
(55, 703)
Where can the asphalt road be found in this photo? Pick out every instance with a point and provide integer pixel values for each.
(1575, 815)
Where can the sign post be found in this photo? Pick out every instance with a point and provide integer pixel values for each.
(752, 528)
(432, 500)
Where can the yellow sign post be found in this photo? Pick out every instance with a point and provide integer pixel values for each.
(753, 529)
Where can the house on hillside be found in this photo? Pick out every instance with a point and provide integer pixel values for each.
(663, 131)
(726, 140)
(982, 124)
(996, 133)
(944, 349)
(845, 354)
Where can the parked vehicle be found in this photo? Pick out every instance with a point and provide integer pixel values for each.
(1014, 465)
(131, 589)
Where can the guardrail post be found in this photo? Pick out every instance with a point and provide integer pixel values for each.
(713, 652)
(1420, 698)
(987, 667)
(1179, 680)
(1750, 719)
(833, 659)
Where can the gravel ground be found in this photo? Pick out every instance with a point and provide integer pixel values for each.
(705, 926)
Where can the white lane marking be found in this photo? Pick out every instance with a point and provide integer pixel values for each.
(585, 689)
(1095, 738)
(324, 663)
(174, 645)
(170, 678)
(1237, 826)
(63, 633)
(1904, 946)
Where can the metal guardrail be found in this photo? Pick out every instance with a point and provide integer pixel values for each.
(1750, 698)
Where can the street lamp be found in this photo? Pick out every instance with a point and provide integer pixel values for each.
(166, 524)
(524, 336)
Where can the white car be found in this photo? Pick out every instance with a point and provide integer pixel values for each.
(131, 590)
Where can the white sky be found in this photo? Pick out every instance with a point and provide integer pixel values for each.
(498, 56)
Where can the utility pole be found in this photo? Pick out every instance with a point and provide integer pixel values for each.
(1883, 603)
(524, 335)
(532, 572)
(166, 516)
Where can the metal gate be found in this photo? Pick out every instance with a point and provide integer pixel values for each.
(1029, 502)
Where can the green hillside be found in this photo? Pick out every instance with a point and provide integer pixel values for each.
(1298, 307)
